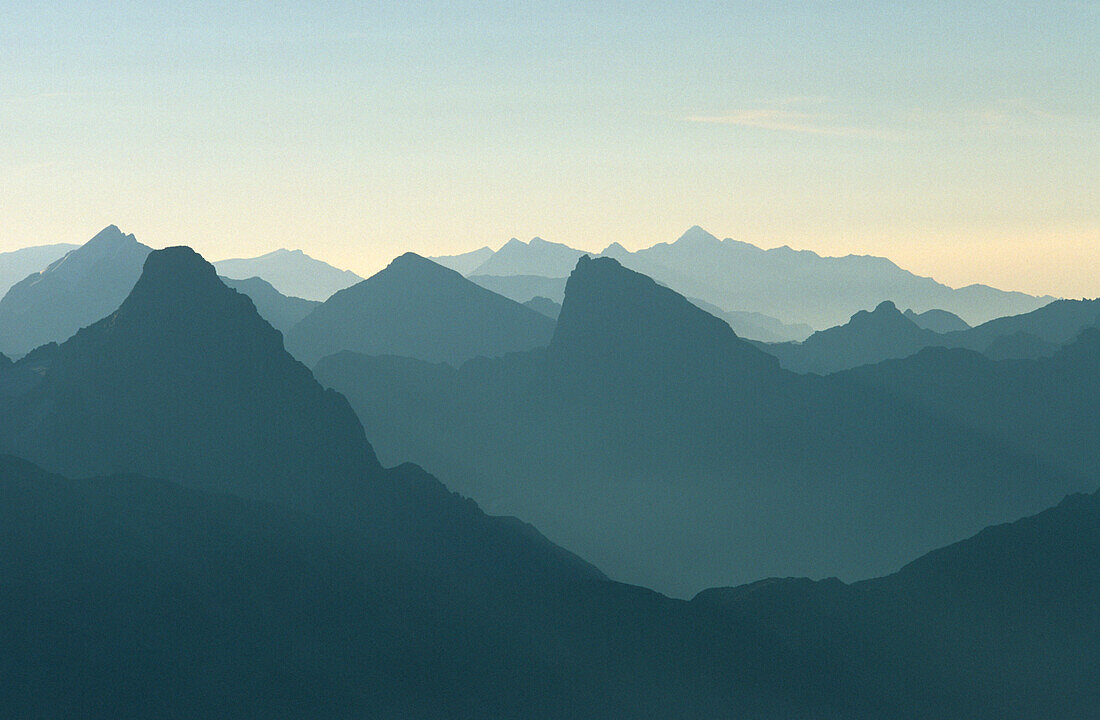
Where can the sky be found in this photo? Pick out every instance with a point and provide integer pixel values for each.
(961, 140)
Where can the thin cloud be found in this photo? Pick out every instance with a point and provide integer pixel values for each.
(786, 121)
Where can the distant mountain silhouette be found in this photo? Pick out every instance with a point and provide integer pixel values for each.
(248, 555)
(1058, 323)
(652, 440)
(796, 286)
(886, 334)
(522, 288)
(869, 337)
(464, 263)
(419, 309)
(756, 326)
(18, 264)
(939, 321)
(81, 287)
(281, 311)
(544, 306)
(537, 257)
(292, 273)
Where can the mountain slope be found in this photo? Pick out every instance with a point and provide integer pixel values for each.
(939, 321)
(291, 272)
(652, 440)
(18, 264)
(1005, 619)
(281, 311)
(83, 286)
(886, 334)
(464, 263)
(419, 309)
(869, 337)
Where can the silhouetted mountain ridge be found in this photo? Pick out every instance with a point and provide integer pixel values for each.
(417, 308)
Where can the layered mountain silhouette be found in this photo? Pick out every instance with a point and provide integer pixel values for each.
(291, 272)
(281, 311)
(544, 306)
(869, 337)
(419, 309)
(756, 326)
(18, 264)
(92, 280)
(522, 288)
(795, 286)
(653, 441)
(235, 547)
(966, 620)
(81, 287)
(538, 257)
(464, 263)
(885, 334)
(935, 320)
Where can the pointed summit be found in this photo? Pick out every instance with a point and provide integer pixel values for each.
(417, 308)
(696, 235)
(72, 292)
(186, 381)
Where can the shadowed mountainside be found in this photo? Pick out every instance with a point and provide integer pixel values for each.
(281, 311)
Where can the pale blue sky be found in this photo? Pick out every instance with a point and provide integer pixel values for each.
(960, 139)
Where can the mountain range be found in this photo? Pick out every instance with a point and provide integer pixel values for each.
(793, 286)
(235, 547)
(91, 280)
(885, 334)
(652, 440)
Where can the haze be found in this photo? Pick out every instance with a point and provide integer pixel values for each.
(959, 139)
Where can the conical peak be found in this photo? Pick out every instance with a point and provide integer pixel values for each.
(697, 235)
(886, 307)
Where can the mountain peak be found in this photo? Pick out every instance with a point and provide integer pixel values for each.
(612, 315)
(696, 235)
(886, 307)
(110, 236)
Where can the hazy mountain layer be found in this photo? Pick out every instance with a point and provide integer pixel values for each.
(281, 311)
(291, 272)
(885, 334)
(18, 264)
(418, 309)
(76, 290)
(653, 441)
(796, 286)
